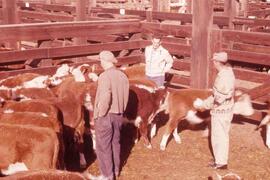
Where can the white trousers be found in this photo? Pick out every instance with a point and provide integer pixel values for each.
(220, 128)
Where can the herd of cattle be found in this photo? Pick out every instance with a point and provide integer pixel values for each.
(41, 115)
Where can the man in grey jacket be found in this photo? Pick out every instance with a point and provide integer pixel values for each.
(110, 103)
(221, 104)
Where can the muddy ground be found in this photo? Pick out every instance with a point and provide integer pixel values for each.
(249, 157)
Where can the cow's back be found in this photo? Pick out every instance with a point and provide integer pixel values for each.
(36, 147)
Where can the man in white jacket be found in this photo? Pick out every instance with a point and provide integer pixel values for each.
(158, 61)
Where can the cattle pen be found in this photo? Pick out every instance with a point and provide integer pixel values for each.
(39, 36)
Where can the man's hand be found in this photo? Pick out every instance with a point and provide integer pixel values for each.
(198, 103)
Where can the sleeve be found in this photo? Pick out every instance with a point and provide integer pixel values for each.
(147, 54)
(169, 61)
(208, 102)
(104, 91)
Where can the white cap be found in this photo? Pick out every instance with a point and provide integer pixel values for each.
(220, 56)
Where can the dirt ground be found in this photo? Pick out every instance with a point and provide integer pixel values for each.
(249, 157)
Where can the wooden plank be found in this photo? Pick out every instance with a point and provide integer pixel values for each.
(179, 80)
(251, 48)
(249, 57)
(251, 22)
(167, 29)
(202, 22)
(183, 17)
(103, 38)
(41, 31)
(111, 1)
(45, 16)
(259, 13)
(259, 91)
(240, 73)
(52, 70)
(173, 48)
(60, 52)
(49, 7)
(246, 37)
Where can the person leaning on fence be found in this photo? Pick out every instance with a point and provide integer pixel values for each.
(110, 103)
(221, 105)
(158, 61)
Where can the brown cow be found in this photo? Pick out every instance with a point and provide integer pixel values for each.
(179, 105)
(47, 110)
(72, 98)
(142, 105)
(36, 147)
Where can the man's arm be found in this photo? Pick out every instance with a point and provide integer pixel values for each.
(169, 61)
(104, 90)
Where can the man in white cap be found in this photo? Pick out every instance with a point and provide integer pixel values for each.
(221, 105)
(110, 103)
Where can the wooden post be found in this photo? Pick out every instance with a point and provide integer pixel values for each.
(202, 22)
(165, 6)
(189, 6)
(80, 16)
(244, 7)
(215, 46)
(155, 5)
(230, 10)
(10, 16)
(81, 10)
(91, 4)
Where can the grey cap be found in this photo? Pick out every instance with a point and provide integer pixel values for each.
(107, 56)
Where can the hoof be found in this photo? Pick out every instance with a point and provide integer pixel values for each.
(149, 146)
(162, 148)
(178, 141)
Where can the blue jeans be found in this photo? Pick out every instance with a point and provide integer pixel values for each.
(159, 80)
(107, 130)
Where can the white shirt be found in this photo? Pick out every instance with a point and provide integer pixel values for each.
(158, 61)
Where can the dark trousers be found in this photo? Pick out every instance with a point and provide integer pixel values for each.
(108, 143)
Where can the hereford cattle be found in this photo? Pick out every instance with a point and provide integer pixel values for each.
(135, 71)
(266, 122)
(72, 97)
(35, 105)
(30, 118)
(32, 93)
(37, 148)
(18, 80)
(142, 105)
(45, 174)
(179, 105)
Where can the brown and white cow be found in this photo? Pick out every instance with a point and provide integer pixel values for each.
(143, 103)
(18, 80)
(36, 147)
(72, 97)
(266, 122)
(179, 105)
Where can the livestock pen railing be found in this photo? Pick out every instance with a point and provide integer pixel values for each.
(42, 12)
(179, 44)
(128, 36)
